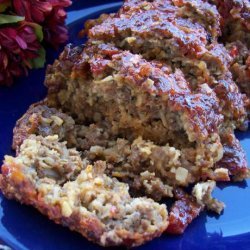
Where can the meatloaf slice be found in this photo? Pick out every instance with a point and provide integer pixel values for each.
(136, 98)
(144, 165)
(166, 30)
(174, 32)
(55, 180)
(43, 120)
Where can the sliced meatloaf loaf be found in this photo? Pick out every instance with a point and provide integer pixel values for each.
(55, 180)
(182, 34)
(146, 109)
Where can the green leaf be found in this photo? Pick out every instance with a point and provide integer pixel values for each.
(5, 19)
(38, 30)
(39, 62)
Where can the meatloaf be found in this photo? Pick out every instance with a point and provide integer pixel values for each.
(236, 37)
(180, 34)
(55, 180)
(146, 110)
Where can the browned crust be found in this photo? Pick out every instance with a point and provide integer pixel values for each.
(183, 212)
(235, 27)
(163, 18)
(234, 157)
(196, 10)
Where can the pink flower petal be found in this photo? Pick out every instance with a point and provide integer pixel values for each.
(21, 42)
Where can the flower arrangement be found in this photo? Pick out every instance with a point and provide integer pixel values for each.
(25, 27)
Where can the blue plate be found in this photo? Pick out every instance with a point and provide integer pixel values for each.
(23, 228)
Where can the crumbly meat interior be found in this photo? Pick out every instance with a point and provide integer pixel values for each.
(144, 165)
(240, 66)
(175, 32)
(134, 98)
(54, 179)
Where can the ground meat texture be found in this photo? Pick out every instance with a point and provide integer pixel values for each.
(148, 167)
(172, 31)
(240, 66)
(236, 20)
(137, 98)
(144, 165)
(44, 121)
(89, 202)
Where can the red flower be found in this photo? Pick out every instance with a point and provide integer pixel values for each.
(55, 32)
(4, 2)
(49, 14)
(20, 42)
(18, 46)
